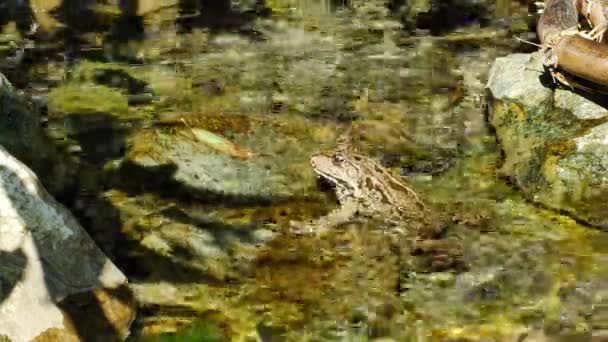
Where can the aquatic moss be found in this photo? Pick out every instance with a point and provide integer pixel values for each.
(199, 331)
(279, 7)
(561, 148)
(86, 98)
(540, 123)
(576, 185)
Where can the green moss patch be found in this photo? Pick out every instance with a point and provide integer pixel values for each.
(86, 98)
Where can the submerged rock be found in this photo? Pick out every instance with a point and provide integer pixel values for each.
(51, 268)
(553, 140)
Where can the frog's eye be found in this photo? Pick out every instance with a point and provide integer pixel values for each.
(337, 158)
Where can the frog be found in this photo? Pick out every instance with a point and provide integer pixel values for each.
(364, 188)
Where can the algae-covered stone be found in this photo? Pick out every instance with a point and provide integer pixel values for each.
(554, 141)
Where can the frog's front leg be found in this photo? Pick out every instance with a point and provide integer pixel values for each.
(342, 214)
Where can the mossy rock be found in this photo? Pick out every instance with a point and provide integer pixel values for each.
(553, 140)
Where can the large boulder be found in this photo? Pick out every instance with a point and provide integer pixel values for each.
(55, 283)
(554, 140)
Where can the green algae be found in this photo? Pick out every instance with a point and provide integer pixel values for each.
(539, 122)
(198, 331)
(280, 7)
(87, 98)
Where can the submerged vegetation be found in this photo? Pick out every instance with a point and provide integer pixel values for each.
(193, 150)
(196, 332)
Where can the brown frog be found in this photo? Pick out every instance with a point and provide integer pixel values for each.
(365, 188)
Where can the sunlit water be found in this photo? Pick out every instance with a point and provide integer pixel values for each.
(192, 131)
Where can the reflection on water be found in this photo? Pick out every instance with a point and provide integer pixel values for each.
(192, 124)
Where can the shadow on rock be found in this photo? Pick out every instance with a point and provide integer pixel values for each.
(19, 12)
(222, 233)
(120, 235)
(81, 307)
(101, 137)
(11, 269)
(70, 13)
(116, 27)
(445, 16)
(219, 16)
(135, 179)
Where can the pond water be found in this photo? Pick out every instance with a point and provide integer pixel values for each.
(190, 127)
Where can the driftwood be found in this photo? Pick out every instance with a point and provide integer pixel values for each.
(558, 16)
(574, 58)
(596, 13)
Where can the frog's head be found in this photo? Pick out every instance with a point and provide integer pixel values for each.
(341, 170)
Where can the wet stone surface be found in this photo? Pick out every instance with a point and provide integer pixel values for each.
(193, 191)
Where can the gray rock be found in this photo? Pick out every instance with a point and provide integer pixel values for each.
(45, 257)
(217, 173)
(554, 141)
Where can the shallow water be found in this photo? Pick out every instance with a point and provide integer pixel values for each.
(192, 132)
